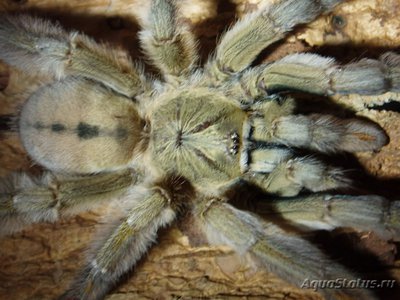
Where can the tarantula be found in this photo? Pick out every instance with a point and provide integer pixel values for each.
(103, 130)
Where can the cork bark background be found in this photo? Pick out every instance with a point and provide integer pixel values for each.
(40, 262)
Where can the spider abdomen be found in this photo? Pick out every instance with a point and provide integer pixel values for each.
(197, 134)
(63, 125)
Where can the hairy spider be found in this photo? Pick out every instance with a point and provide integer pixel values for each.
(103, 130)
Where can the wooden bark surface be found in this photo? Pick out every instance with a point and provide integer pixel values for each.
(40, 262)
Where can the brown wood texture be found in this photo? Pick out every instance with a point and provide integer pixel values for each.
(40, 262)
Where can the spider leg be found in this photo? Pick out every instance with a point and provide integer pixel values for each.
(273, 121)
(319, 75)
(277, 172)
(36, 45)
(248, 37)
(25, 199)
(169, 44)
(126, 244)
(324, 133)
(321, 211)
(281, 252)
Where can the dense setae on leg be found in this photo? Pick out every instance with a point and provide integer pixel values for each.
(273, 121)
(280, 251)
(241, 44)
(319, 75)
(323, 133)
(169, 44)
(289, 176)
(124, 246)
(321, 211)
(35, 45)
(25, 200)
